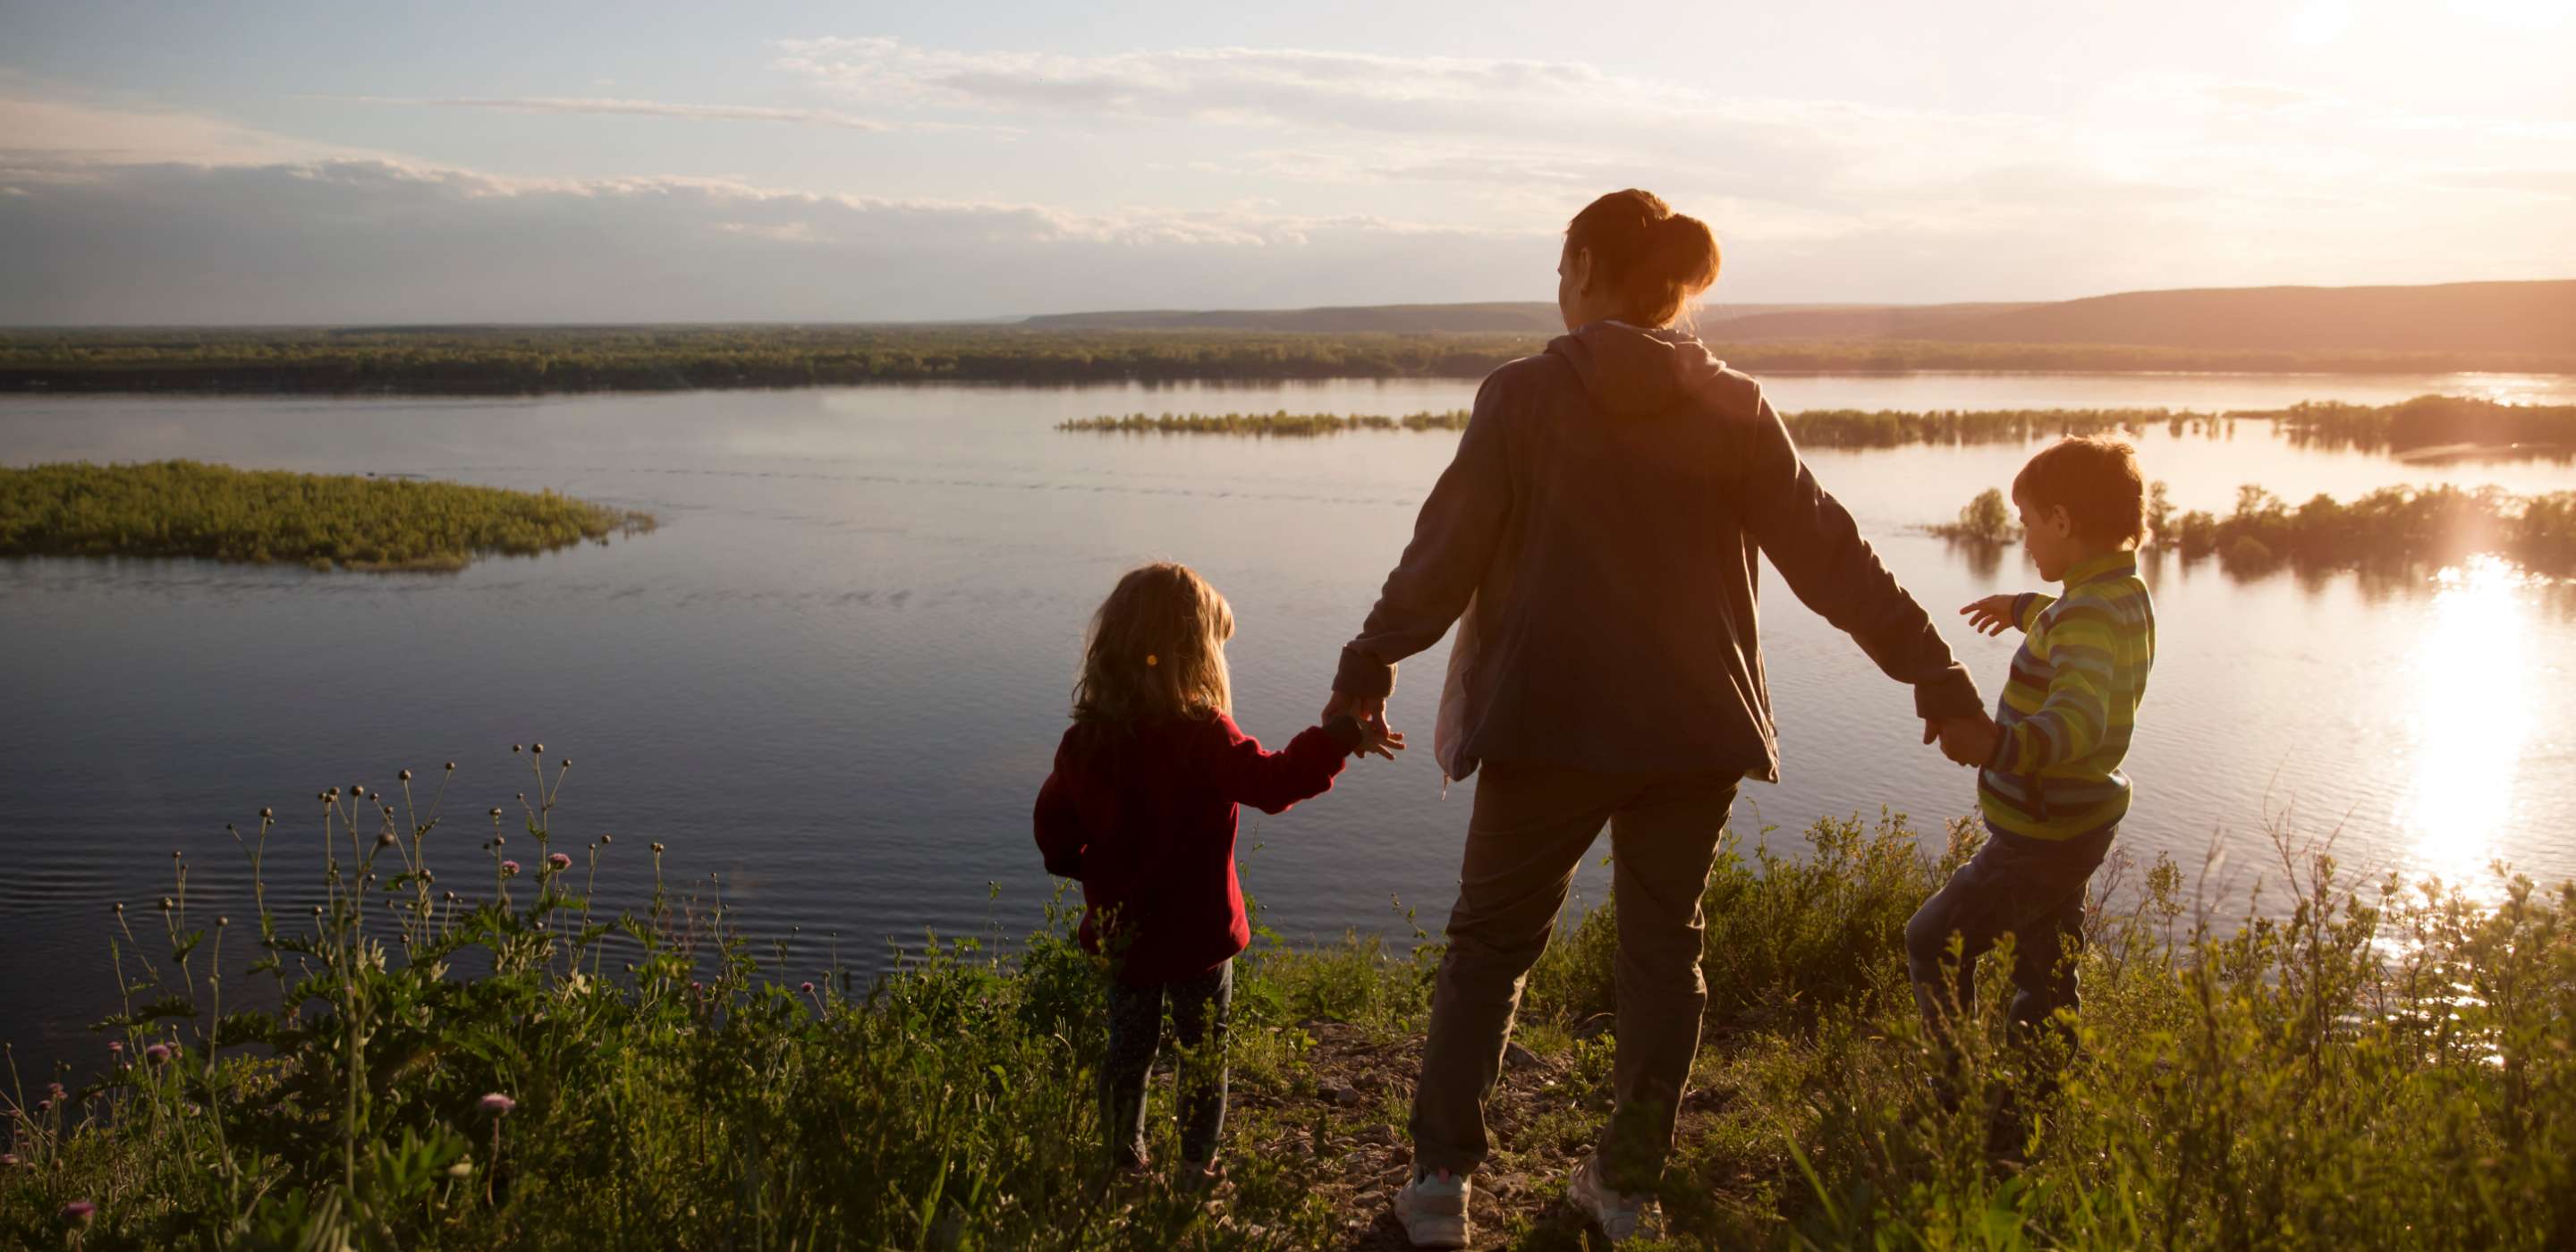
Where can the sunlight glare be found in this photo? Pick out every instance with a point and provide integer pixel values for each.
(2474, 711)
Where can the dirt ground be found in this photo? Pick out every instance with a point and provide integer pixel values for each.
(1542, 1117)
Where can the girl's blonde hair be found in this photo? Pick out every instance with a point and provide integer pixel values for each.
(1156, 649)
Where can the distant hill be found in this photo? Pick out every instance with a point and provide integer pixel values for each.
(1526, 317)
(2448, 317)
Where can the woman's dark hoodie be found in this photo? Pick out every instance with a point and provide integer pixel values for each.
(1604, 511)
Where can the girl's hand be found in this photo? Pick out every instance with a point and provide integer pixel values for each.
(1990, 616)
(1370, 711)
(1378, 737)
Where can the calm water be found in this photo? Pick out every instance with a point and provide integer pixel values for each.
(836, 675)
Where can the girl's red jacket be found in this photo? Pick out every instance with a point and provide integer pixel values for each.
(1145, 815)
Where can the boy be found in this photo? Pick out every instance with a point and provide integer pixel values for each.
(2050, 787)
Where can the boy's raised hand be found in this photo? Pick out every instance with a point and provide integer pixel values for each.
(1991, 616)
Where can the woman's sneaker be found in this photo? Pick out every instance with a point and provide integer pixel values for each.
(1617, 1214)
(1433, 1208)
(1199, 1180)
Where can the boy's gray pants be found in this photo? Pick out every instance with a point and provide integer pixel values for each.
(1531, 828)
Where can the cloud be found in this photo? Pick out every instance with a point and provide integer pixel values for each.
(67, 130)
(375, 241)
(644, 108)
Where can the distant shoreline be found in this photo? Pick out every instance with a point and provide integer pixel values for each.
(488, 361)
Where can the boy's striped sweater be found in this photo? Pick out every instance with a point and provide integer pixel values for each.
(2071, 704)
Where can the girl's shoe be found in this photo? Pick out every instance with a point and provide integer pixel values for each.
(1433, 1208)
(1618, 1214)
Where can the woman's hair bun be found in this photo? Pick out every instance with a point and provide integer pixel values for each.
(1653, 258)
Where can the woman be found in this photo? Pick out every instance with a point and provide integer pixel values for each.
(1602, 517)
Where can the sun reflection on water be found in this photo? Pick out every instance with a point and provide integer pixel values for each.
(2475, 705)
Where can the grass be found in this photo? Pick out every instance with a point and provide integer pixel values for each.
(528, 359)
(472, 1052)
(326, 521)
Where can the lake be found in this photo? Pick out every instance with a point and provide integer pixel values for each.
(836, 675)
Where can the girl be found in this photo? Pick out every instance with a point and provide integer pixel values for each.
(1141, 808)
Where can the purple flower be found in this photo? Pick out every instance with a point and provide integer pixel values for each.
(115, 1048)
(55, 1090)
(78, 1212)
(497, 1104)
(559, 861)
(8, 1160)
(808, 988)
(509, 869)
(158, 1052)
(44, 1106)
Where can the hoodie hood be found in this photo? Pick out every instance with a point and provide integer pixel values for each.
(1630, 371)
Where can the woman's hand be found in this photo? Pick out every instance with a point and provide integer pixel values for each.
(1992, 615)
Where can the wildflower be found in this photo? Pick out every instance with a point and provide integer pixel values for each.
(44, 1106)
(120, 906)
(168, 904)
(567, 762)
(267, 813)
(540, 749)
(606, 839)
(497, 1103)
(405, 776)
(8, 1160)
(509, 869)
(158, 1052)
(55, 1090)
(78, 1212)
(222, 921)
(463, 1168)
(559, 861)
(451, 767)
(514, 747)
(115, 1047)
(657, 848)
(807, 988)
(385, 840)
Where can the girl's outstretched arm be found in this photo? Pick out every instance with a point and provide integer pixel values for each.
(1272, 781)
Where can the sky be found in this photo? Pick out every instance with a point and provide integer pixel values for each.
(530, 162)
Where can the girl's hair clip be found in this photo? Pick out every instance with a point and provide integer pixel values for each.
(1152, 660)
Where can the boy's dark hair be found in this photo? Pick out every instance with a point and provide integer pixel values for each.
(2096, 479)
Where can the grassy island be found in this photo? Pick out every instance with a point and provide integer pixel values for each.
(2390, 527)
(532, 359)
(469, 1049)
(1820, 428)
(327, 521)
(2430, 422)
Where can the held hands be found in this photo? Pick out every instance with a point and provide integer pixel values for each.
(1989, 616)
(1965, 740)
(1370, 711)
